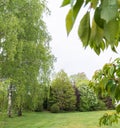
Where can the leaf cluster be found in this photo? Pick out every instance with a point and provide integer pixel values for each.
(107, 82)
(103, 31)
(109, 119)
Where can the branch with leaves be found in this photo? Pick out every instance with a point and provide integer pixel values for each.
(107, 82)
(104, 31)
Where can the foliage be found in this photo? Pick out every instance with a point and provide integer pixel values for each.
(104, 30)
(55, 108)
(88, 99)
(25, 55)
(107, 101)
(109, 119)
(3, 95)
(101, 105)
(62, 92)
(107, 81)
(79, 79)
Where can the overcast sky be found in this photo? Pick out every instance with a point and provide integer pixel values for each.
(71, 56)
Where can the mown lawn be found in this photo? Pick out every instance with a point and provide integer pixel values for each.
(61, 120)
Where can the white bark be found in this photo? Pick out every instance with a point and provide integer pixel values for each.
(10, 101)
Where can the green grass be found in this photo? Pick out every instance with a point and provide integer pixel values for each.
(61, 120)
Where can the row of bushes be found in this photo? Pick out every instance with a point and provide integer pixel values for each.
(65, 96)
(85, 100)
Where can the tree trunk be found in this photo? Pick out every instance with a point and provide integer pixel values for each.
(10, 101)
(19, 111)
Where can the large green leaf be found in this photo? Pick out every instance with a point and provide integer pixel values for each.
(72, 14)
(84, 29)
(112, 70)
(97, 18)
(69, 21)
(96, 38)
(77, 7)
(111, 88)
(111, 31)
(109, 10)
(117, 93)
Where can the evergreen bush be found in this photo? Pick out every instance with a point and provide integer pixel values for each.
(55, 108)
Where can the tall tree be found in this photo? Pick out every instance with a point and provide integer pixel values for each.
(104, 30)
(24, 47)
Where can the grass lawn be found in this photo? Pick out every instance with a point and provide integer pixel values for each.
(61, 120)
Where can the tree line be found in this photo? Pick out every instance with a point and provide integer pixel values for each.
(64, 93)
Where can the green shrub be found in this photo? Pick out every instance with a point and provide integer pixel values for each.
(101, 105)
(55, 108)
(88, 99)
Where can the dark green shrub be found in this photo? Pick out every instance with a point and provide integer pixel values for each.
(39, 108)
(55, 108)
(101, 105)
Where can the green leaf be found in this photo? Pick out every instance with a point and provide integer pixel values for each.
(118, 108)
(114, 49)
(84, 29)
(111, 70)
(102, 45)
(109, 10)
(69, 21)
(118, 72)
(97, 18)
(65, 2)
(77, 7)
(111, 31)
(96, 38)
(72, 14)
(94, 3)
(117, 93)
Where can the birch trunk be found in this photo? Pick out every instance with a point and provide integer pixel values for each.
(10, 101)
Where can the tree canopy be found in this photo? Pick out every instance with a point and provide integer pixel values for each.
(25, 55)
(103, 31)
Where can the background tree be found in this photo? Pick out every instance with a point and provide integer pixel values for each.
(62, 92)
(79, 78)
(104, 30)
(25, 54)
(86, 98)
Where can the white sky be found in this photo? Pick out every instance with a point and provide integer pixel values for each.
(71, 56)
